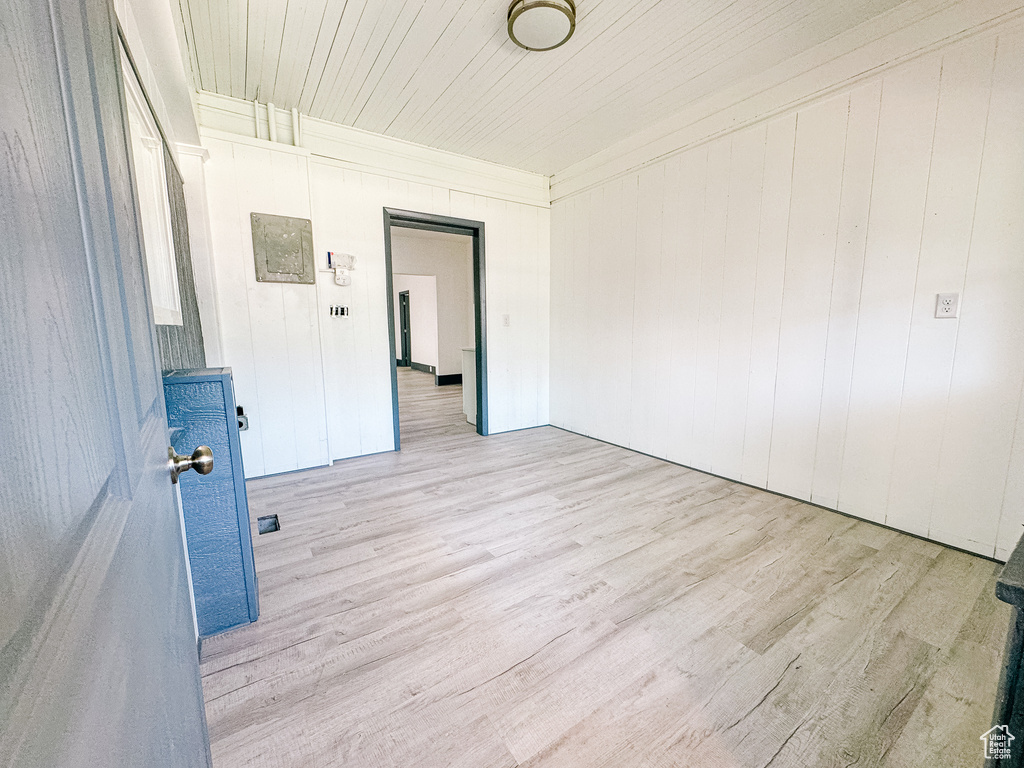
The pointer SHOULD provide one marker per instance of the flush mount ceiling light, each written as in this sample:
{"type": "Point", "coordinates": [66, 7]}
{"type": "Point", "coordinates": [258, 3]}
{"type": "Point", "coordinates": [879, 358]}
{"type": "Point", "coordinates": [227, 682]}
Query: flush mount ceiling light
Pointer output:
{"type": "Point", "coordinates": [540, 25]}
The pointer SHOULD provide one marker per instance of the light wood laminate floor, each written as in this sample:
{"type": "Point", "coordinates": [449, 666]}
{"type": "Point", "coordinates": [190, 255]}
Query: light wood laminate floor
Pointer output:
{"type": "Point", "coordinates": [542, 599]}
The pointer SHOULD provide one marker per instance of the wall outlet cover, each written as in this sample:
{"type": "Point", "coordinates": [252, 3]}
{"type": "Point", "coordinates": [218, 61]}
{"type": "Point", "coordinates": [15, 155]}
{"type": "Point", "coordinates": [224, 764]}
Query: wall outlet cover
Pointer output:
{"type": "Point", "coordinates": [947, 305]}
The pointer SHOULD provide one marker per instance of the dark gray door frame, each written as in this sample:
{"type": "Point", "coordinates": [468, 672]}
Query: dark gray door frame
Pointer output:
{"type": "Point", "coordinates": [395, 217]}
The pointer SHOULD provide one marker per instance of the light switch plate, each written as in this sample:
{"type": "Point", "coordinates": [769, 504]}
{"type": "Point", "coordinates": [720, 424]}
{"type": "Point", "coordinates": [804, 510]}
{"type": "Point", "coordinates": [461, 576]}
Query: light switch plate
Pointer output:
{"type": "Point", "coordinates": [947, 305]}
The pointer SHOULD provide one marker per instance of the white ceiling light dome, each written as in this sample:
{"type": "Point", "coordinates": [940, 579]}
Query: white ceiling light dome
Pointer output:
{"type": "Point", "coordinates": [540, 25]}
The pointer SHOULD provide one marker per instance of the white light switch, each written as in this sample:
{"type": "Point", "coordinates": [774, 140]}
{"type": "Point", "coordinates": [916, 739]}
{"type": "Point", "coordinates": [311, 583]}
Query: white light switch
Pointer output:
{"type": "Point", "coordinates": [947, 304]}
{"type": "Point", "coordinates": [506, 320]}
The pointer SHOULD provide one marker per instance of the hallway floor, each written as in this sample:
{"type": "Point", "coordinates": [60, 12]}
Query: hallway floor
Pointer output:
{"type": "Point", "coordinates": [538, 598]}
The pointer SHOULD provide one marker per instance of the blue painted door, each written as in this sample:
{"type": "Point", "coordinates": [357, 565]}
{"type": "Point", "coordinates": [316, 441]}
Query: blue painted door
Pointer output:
{"type": "Point", "coordinates": [98, 663]}
{"type": "Point", "coordinates": [201, 408]}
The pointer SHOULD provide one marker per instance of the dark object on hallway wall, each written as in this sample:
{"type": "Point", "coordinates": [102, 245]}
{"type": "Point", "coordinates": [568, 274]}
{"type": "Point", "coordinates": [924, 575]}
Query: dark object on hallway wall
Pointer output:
{"type": "Point", "coordinates": [181, 346]}
{"type": "Point", "coordinates": [282, 247]}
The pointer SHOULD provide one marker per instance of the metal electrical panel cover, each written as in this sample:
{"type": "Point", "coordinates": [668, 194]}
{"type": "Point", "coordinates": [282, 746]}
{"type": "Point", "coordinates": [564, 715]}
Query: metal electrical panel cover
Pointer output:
{"type": "Point", "coordinates": [282, 247]}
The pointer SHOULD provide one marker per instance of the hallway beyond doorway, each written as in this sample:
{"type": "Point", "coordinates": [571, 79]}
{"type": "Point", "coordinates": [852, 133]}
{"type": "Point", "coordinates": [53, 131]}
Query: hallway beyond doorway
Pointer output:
{"type": "Point", "coordinates": [428, 413]}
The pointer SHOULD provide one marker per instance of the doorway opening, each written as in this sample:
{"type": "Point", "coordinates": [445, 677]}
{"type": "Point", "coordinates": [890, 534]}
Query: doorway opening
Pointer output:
{"type": "Point", "coordinates": [455, 359]}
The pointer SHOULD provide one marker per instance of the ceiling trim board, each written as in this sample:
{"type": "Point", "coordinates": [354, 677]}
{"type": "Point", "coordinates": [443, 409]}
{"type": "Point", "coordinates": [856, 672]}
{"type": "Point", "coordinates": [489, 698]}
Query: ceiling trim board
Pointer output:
{"type": "Point", "coordinates": [231, 119]}
{"type": "Point", "coordinates": [493, 192]}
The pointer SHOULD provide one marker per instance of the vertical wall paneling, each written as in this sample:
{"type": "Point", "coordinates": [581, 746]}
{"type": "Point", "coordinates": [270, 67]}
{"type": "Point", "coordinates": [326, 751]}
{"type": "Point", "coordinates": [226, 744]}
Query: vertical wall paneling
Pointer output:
{"type": "Point", "coordinates": [509, 283]}
{"type": "Point", "coordinates": [582, 302]}
{"type": "Point", "coordinates": [773, 232]}
{"type": "Point", "coordinates": [684, 245]}
{"type": "Point", "coordinates": [810, 263]}
{"type": "Point", "coordinates": [542, 339]}
{"type": "Point", "coordinates": [989, 362]}
{"type": "Point", "coordinates": [646, 397]}
{"type": "Point", "coordinates": [789, 284]}
{"type": "Point", "coordinates": [502, 237]}
{"type": "Point", "coordinates": [906, 125]}
{"type": "Point", "coordinates": [620, 261]}
{"type": "Point", "coordinates": [712, 275]}
{"type": "Point", "coordinates": [844, 303]}
{"type": "Point", "coordinates": [228, 245]}
{"type": "Point", "coordinates": [740, 278]}
{"type": "Point", "coordinates": [529, 348]}
{"type": "Point", "coordinates": [344, 398]}
{"type": "Point", "coordinates": [596, 351]}
{"type": "Point", "coordinates": [269, 329]}
{"type": "Point", "coordinates": [577, 286]}
{"type": "Point", "coordinates": [665, 299]}
{"type": "Point", "coordinates": [365, 225]}
{"type": "Point", "coordinates": [284, 317]}
{"type": "Point", "coordinates": [562, 243]}
{"type": "Point", "coordinates": [945, 242]}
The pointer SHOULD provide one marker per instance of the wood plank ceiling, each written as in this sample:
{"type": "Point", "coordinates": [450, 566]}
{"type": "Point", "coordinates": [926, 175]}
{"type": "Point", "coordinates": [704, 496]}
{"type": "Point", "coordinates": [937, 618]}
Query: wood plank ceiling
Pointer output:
{"type": "Point", "coordinates": [443, 73]}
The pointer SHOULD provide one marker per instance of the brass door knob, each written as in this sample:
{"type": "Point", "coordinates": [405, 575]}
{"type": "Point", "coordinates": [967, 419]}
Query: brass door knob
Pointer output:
{"type": "Point", "coordinates": [201, 461]}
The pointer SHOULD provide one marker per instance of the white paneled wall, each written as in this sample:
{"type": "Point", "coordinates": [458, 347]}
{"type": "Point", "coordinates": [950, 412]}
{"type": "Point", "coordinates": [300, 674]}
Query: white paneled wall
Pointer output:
{"type": "Point", "coordinates": [269, 331]}
{"type": "Point", "coordinates": [318, 388]}
{"type": "Point", "coordinates": [761, 306]}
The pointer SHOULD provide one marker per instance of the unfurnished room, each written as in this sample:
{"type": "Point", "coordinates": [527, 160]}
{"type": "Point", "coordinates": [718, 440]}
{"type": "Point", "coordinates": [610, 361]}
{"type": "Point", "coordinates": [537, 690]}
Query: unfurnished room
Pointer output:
{"type": "Point", "coordinates": [512, 384]}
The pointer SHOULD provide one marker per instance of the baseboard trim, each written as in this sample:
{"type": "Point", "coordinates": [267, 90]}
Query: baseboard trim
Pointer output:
{"type": "Point", "coordinates": [422, 367]}
{"type": "Point", "coordinates": [442, 380]}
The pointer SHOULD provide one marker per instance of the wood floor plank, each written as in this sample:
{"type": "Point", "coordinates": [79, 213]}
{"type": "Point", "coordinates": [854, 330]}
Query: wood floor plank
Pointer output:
{"type": "Point", "coordinates": [542, 599]}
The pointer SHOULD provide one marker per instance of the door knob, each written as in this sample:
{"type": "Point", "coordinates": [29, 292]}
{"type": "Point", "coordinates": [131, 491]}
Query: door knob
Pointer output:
{"type": "Point", "coordinates": [201, 461]}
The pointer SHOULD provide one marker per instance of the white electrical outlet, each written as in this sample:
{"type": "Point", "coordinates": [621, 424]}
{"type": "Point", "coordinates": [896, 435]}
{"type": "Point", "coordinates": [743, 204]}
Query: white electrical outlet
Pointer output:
{"type": "Point", "coordinates": [947, 304]}
{"type": "Point", "coordinates": [506, 320]}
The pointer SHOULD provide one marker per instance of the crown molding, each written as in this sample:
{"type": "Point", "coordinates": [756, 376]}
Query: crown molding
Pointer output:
{"type": "Point", "coordinates": [224, 117]}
